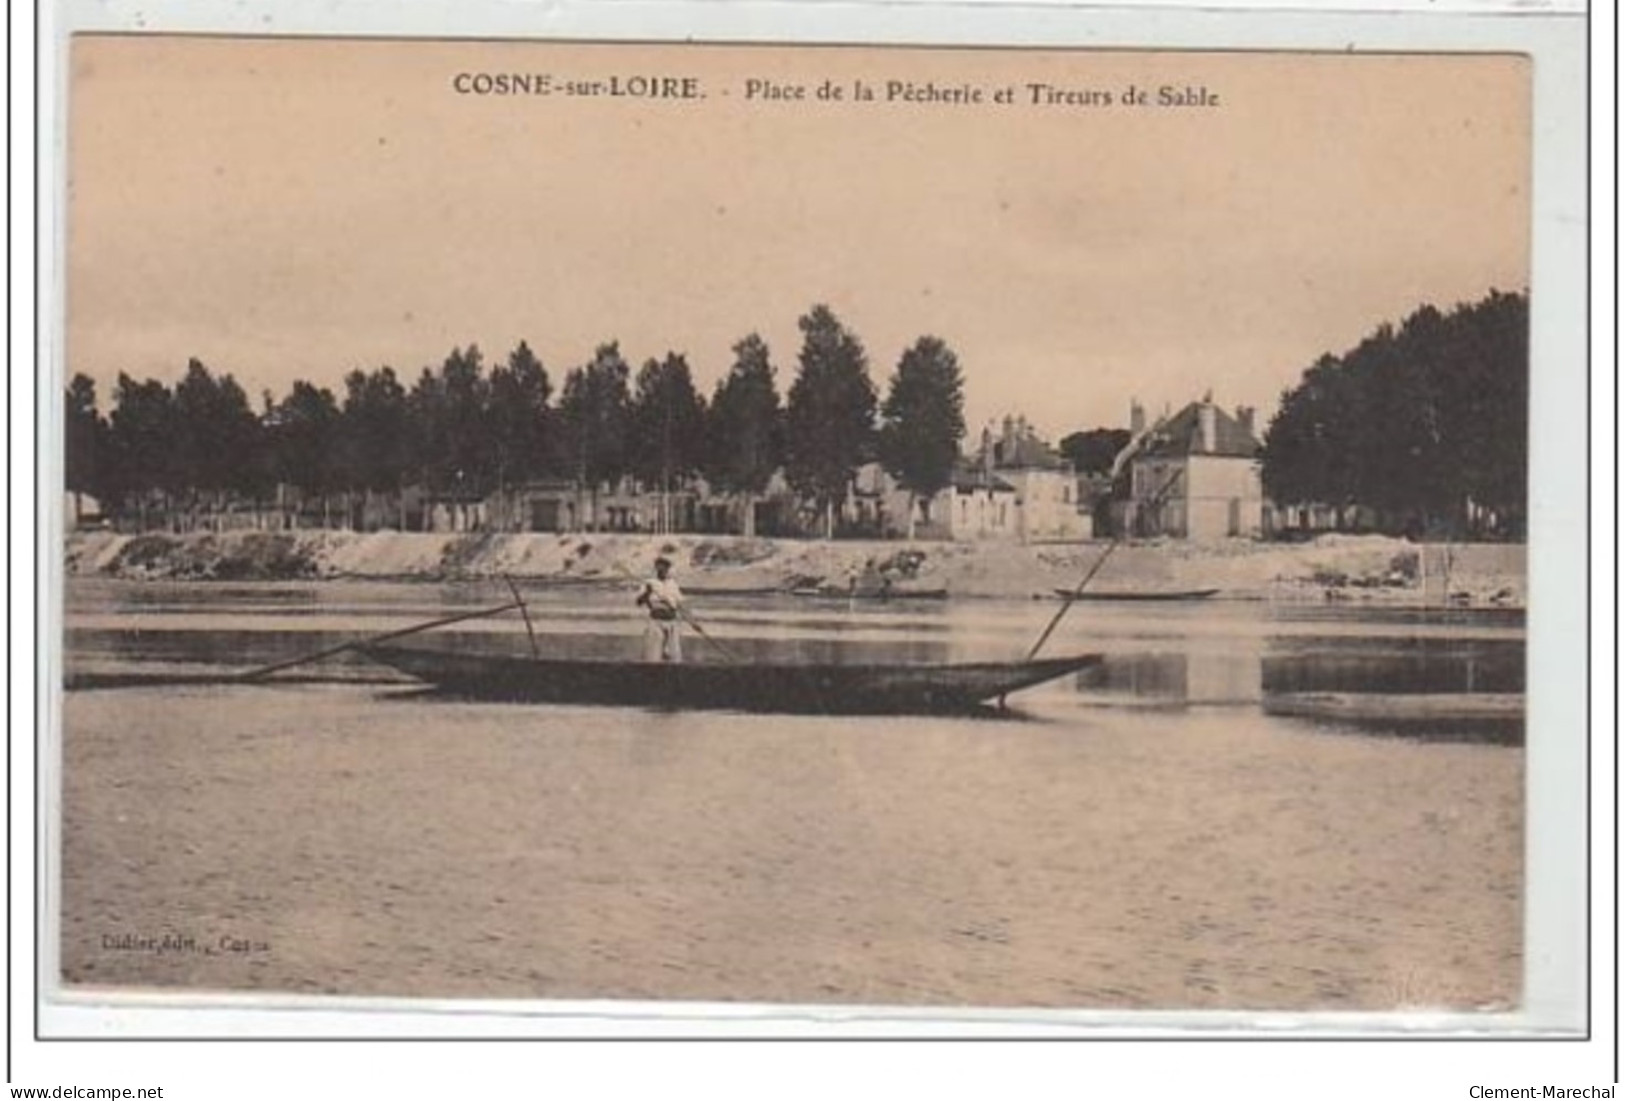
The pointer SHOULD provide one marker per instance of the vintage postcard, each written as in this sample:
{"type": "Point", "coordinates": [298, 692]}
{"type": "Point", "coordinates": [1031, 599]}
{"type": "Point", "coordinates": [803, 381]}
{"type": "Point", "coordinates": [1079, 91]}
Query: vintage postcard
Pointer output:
{"type": "Point", "coordinates": [913, 528]}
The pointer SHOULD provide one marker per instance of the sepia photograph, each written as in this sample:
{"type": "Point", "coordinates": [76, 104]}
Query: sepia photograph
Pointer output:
{"type": "Point", "coordinates": [901, 527]}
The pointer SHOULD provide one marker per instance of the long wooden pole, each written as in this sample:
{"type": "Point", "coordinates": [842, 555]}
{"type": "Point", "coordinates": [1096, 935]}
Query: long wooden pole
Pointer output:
{"type": "Point", "coordinates": [1072, 597]}
{"type": "Point", "coordinates": [535, 651]}
{"type": "Point", "coordinates": [267, 670]}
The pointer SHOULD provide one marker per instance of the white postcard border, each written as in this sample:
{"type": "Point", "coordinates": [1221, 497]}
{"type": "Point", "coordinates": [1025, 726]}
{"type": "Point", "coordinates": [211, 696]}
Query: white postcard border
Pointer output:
{"type": "Point", "coordinates": [1556, 874]}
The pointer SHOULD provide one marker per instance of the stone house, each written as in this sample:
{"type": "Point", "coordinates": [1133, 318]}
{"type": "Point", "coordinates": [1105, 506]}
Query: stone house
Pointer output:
{"type": "Point", "coordinates": [1193, 474]}
{"type": "Point", "coordinates": [1048, 508]}
{"type": "Point", "coordinates": [1015, 487]}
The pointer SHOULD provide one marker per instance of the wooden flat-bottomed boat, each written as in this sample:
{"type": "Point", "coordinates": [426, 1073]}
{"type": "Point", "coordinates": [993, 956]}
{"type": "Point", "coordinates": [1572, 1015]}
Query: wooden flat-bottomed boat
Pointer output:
{"type": "Point", "coordinates": [1496, 716]}
{"type": "Point", "coordinates": [1415, 707]}
{"type": "Point", "coordinates": [881, 595]}
{"type": "Point", "coordinates": [1138, 594]}
{"type": "Point", "coordinates": [711, 685]}
{"type": "Point", "coordinates": [723, 590]}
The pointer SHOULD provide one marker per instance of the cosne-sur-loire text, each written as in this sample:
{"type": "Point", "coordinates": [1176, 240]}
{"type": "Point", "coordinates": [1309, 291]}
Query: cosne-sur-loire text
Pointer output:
{"type": "Point", "coordinates": [632, 86]}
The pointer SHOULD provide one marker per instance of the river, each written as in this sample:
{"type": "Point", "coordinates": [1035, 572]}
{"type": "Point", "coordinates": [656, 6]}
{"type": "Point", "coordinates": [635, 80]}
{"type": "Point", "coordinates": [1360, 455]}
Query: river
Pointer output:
{"type": "Point", "coordinates": [1152, 834]}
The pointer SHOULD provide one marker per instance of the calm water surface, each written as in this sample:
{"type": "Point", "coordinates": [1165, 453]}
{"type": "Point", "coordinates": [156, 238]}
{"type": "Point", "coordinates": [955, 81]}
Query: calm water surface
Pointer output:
{"type": "Point", "coordinates": [1147, 836]}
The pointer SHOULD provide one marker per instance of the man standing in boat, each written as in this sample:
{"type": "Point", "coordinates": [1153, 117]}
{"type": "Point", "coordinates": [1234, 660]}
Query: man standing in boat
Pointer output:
{"type": "Point", "coordinates": [663, 640]}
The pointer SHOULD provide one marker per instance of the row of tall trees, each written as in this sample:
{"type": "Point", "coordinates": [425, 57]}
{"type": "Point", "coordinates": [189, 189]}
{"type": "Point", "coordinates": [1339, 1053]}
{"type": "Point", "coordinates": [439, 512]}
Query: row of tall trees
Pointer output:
{"type": "Point", "coordinates": [468, 431]}
{"type": "Point", "coordinates": [1426, 424]}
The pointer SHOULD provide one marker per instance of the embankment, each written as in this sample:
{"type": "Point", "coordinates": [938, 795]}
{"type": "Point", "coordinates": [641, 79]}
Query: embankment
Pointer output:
{"type": "Point", "coordinates": [1366, 568]}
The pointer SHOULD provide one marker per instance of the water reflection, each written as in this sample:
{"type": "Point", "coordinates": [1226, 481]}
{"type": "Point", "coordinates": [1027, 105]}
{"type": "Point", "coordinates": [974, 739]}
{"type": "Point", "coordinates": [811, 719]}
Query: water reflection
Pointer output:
{"type": "Point", "coordinates": [1244, 675]}
{"type": "Point", "coordinates": [1176, 677]}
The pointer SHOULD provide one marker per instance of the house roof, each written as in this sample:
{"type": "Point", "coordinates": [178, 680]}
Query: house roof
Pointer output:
{"type": "Point", "coordinates": [1025, 452]}
{"type": "Point", "coordinates": [1181, 434]}
{"type": "Point", "coordinates": [971, 476]}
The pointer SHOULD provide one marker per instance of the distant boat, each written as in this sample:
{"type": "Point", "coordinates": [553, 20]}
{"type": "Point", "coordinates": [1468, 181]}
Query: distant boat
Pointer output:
{"type": "Point", "coordinates": [1136, 594]}
{"type": "Point", "coordinates": [567, 580]}
{"type": "Point", "coordinates": [723, 590]}
{"type": "Point", "coordinates": [807, 689]}
{"type": "Point", "coordinates": [883, 595]}
{"type": "Point", "coordinates": [1497, 715]}
{"type": "Point", "coordinates": [1428, 707]}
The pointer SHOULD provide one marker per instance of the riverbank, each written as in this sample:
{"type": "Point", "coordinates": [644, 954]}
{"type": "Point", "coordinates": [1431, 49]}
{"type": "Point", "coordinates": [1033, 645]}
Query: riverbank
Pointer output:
{"type": "Point", "coordinates": [1333, 567]}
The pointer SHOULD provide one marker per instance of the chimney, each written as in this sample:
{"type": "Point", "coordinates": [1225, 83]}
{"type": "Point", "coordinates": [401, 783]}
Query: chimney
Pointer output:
{"type": "Point", "coordinates": [1136, 418]}
{"type": "Point", "coordinates": [987, 449]}
{"type": "Point", "coordinates": [1208, 416]}
{"type": "Point", "coordinates": [1244, 414]}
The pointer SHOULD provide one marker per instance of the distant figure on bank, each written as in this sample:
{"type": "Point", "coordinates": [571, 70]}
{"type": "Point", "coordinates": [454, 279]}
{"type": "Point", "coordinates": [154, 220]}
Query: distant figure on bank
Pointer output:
{"type": "Point", "coordinates": [872, 582]}
{"type": "Point", "coordinates": [663, 640]}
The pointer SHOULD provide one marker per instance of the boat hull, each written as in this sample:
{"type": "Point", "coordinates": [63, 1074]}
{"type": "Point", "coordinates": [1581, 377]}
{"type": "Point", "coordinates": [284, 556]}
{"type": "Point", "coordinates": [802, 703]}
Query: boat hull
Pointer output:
{"type": "Point", "coordinates": [877, 595]}
{"type": "Point", "coordinates": [1147, 594]}
{"type": "Point", "coordinates": [809, 689]}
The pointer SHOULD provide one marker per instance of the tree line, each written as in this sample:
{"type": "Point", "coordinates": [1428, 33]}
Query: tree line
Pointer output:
{"type": "Point", "coordinates": [170, 456]}
{"type": "Point", "coordinates": [1424, 427]}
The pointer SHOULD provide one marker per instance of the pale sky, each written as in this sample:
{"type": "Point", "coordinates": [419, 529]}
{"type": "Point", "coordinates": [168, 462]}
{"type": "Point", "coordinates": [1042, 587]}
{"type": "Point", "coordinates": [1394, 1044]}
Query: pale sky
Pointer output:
{"type": "Point", "coordinates": [287, 209]}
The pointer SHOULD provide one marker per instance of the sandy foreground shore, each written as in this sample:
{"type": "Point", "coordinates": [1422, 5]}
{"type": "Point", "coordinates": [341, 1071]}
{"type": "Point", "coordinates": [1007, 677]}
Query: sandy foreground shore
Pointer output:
{"type": "Point", "coordinates": [342, 840]}
{"type": "Point", "coordinates": [1365, 568]}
